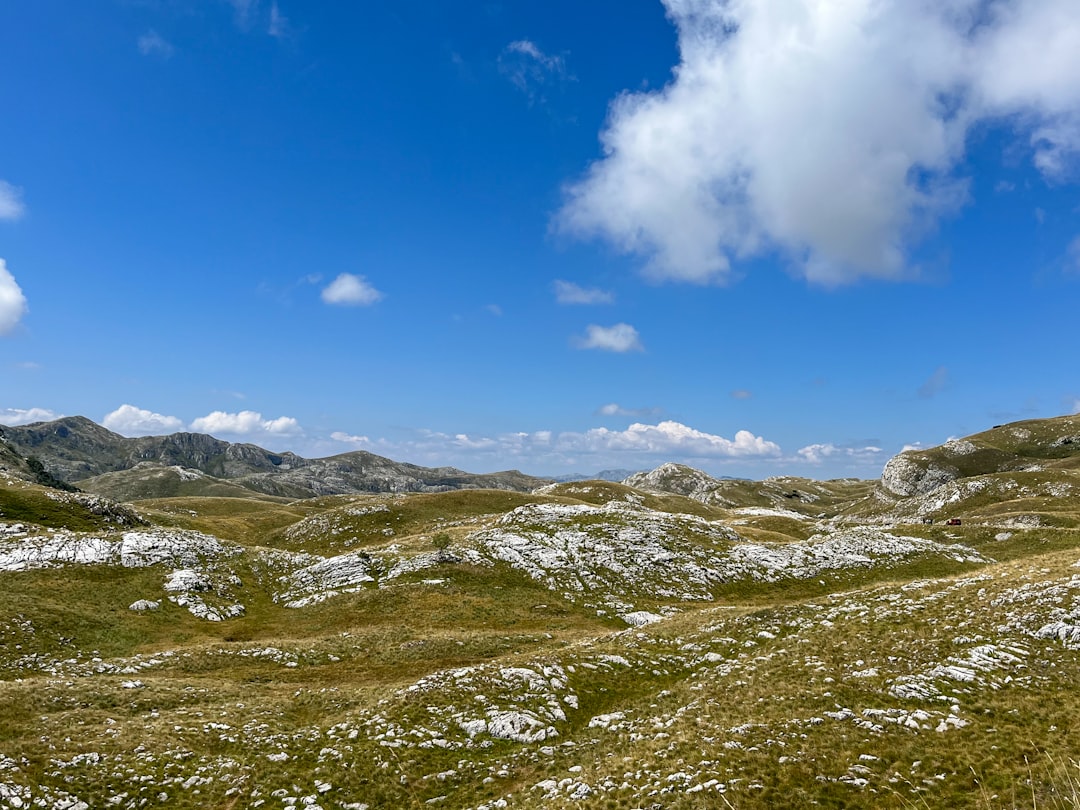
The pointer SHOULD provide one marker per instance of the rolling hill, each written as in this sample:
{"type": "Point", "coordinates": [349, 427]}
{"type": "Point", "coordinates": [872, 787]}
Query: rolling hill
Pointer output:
{"type": "Point", "coordinates": [673, 641]}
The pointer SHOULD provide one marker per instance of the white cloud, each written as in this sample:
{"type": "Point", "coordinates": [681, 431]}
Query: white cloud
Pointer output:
{"type": "Point", "coordinates": [818, 453]}
{"type": "Point", "coordinates": [350, 290]}
{"type": "Point", "coordinates": [833, 133]}
{"type": "Point", "coordinates": [12, 301]}
{"type": "Point", "coordinates": [26, 416]}
{"type": "Point", "coordinates": [246, 423]}
{"type": "Point", "coordinates": [621, 337]}
{"type": "Point", "coordinates": [494, 309]}
{"type": "Point", "coordinates": [567, 292]}
{"type": "Point", "coordinates": [530, 69]}
{"type": "Point", "coordinates": [346, 438]}
{"type": "Point", "coordinates": [741, 393]}
{"type": "Point", "coordinates": [11, 204]}
{"type": "Point", "coordinates": [614, 409]}
{"type": "Point", "coordinates": [127, 420]}
{"type": "Point", "coordinates": [671, 438]}
{"type": "Point", "coordinates": [153, 44]}
{"type": "Point", "coordinates": [934, 384]}
{"type": "Point", "coordinates": [664, 441]}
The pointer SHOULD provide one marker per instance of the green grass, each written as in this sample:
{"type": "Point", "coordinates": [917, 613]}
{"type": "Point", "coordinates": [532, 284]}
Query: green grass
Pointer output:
{"type": "Point", "coordinates": [347, 523]}
{"type": "Point", "coordinates": [251, 521]}
{"type": "Point", "coordinates": [28, 503]}
{"type": "Point", "coordinates": [759, 666]}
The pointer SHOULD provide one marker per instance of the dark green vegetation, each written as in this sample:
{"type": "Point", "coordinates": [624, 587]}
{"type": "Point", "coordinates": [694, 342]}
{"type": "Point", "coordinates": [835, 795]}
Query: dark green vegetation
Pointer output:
{"type": "Point", "coordinates": [423, 660]}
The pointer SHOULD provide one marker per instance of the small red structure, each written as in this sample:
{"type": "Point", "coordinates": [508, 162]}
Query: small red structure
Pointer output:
{"type": "Point", "coordinates": [952, 522]}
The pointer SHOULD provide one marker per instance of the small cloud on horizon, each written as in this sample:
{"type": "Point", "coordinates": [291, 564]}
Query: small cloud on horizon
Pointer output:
{"type": "Point", "coordinates": [128, 420]}
{"type": "Point", "coordinates": [25, 416]}
{"type": "Point", "coordinates": [346, 438]}
{"type": "Point", "coordinates": [655, 442]}
{"type": "Point", "coordinates": [246, 423]}
{"type": "Point", "coordinates": [350, 290]}
{"type": "Point", "coordinates": [620, 338]}
{"type": "Point", "coordinates": [818, 453]}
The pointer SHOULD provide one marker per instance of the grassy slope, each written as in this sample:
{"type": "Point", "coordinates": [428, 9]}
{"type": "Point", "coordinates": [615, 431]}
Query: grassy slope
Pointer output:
{"type": "Point", "coordinates": [1048, 443]}
{"type": "Point", "coordinates": [745, 719]}
{"type": "Point", "coordinates": [23, 502]}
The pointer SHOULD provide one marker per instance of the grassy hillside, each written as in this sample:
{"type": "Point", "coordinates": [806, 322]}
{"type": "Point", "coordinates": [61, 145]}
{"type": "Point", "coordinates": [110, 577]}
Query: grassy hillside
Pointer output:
{"type": "Point", "coordinates": [732, 644]}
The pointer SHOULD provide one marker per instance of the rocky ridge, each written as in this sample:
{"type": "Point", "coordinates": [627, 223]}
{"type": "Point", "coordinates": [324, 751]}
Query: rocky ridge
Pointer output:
{"type": "Point", "coordinates": [78, 451]}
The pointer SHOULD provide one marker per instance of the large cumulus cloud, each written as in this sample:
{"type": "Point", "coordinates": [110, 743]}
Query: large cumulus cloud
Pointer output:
{"type": "Point", "coordinates": [829, 131]}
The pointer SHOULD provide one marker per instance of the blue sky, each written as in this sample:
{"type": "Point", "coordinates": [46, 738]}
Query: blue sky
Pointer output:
{"type": "Point", "coordinates": [759, 239]}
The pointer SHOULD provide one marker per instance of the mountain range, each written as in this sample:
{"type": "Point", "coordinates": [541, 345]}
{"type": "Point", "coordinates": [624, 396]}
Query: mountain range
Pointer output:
{"type": "Point", "coordinates": [81, 453]}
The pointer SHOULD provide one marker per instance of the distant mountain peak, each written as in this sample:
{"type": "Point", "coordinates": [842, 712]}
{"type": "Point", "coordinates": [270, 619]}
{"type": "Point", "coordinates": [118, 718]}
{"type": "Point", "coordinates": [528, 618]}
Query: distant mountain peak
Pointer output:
{"type": "Point", "coordinates": [76, 449]}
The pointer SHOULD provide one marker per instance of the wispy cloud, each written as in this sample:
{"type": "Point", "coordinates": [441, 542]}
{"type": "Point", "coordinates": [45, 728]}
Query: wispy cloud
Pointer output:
{"type": "Point", "coordinates": [12, 301]}
{"type": "Point", "coordinates": [775, 107]}
{"type": "Point", "coordinates": [349, 438]}
{"type": "Point", "coordinates": [11, 203]}
{"type": "Point", "coordinates": [278, 25]}
{"type": "Point", "coordinates": [244, 12]}
{"type": "Point", "coordinates": [569, 293]}
{"type": "Point", "coordinates": [662, 441]}
{"type": "Point", "coordinates": [350, 290]}
{"type": "Point", "coordinates": [741, 393]}
{"type": "Point", "coordinates": [1072, 257]}
{"type": "Point", "coordinates": [26, 416]}
{"type": "Point", "coordinates": [614, 409]}
{"type": "Point", "coordinates": [153, 44]}
{"type": "Point", "coordinates": [621, 337]}
{"type": "Point", "coordinates": [128, 420]}
{"type": "Point", "coordinates": [934, 384]}
{"type": "Point", "coordinates": [531, 70]}
{"type": "Point", "coordinates": [257, 16]}
{"type": "Point", "coordinates": [819, 453]}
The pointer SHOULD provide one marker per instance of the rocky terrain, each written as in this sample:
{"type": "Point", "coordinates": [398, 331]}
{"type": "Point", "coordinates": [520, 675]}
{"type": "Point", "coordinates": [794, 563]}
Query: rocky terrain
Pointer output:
{"type": "Point", "coordinates": [671, 641]}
